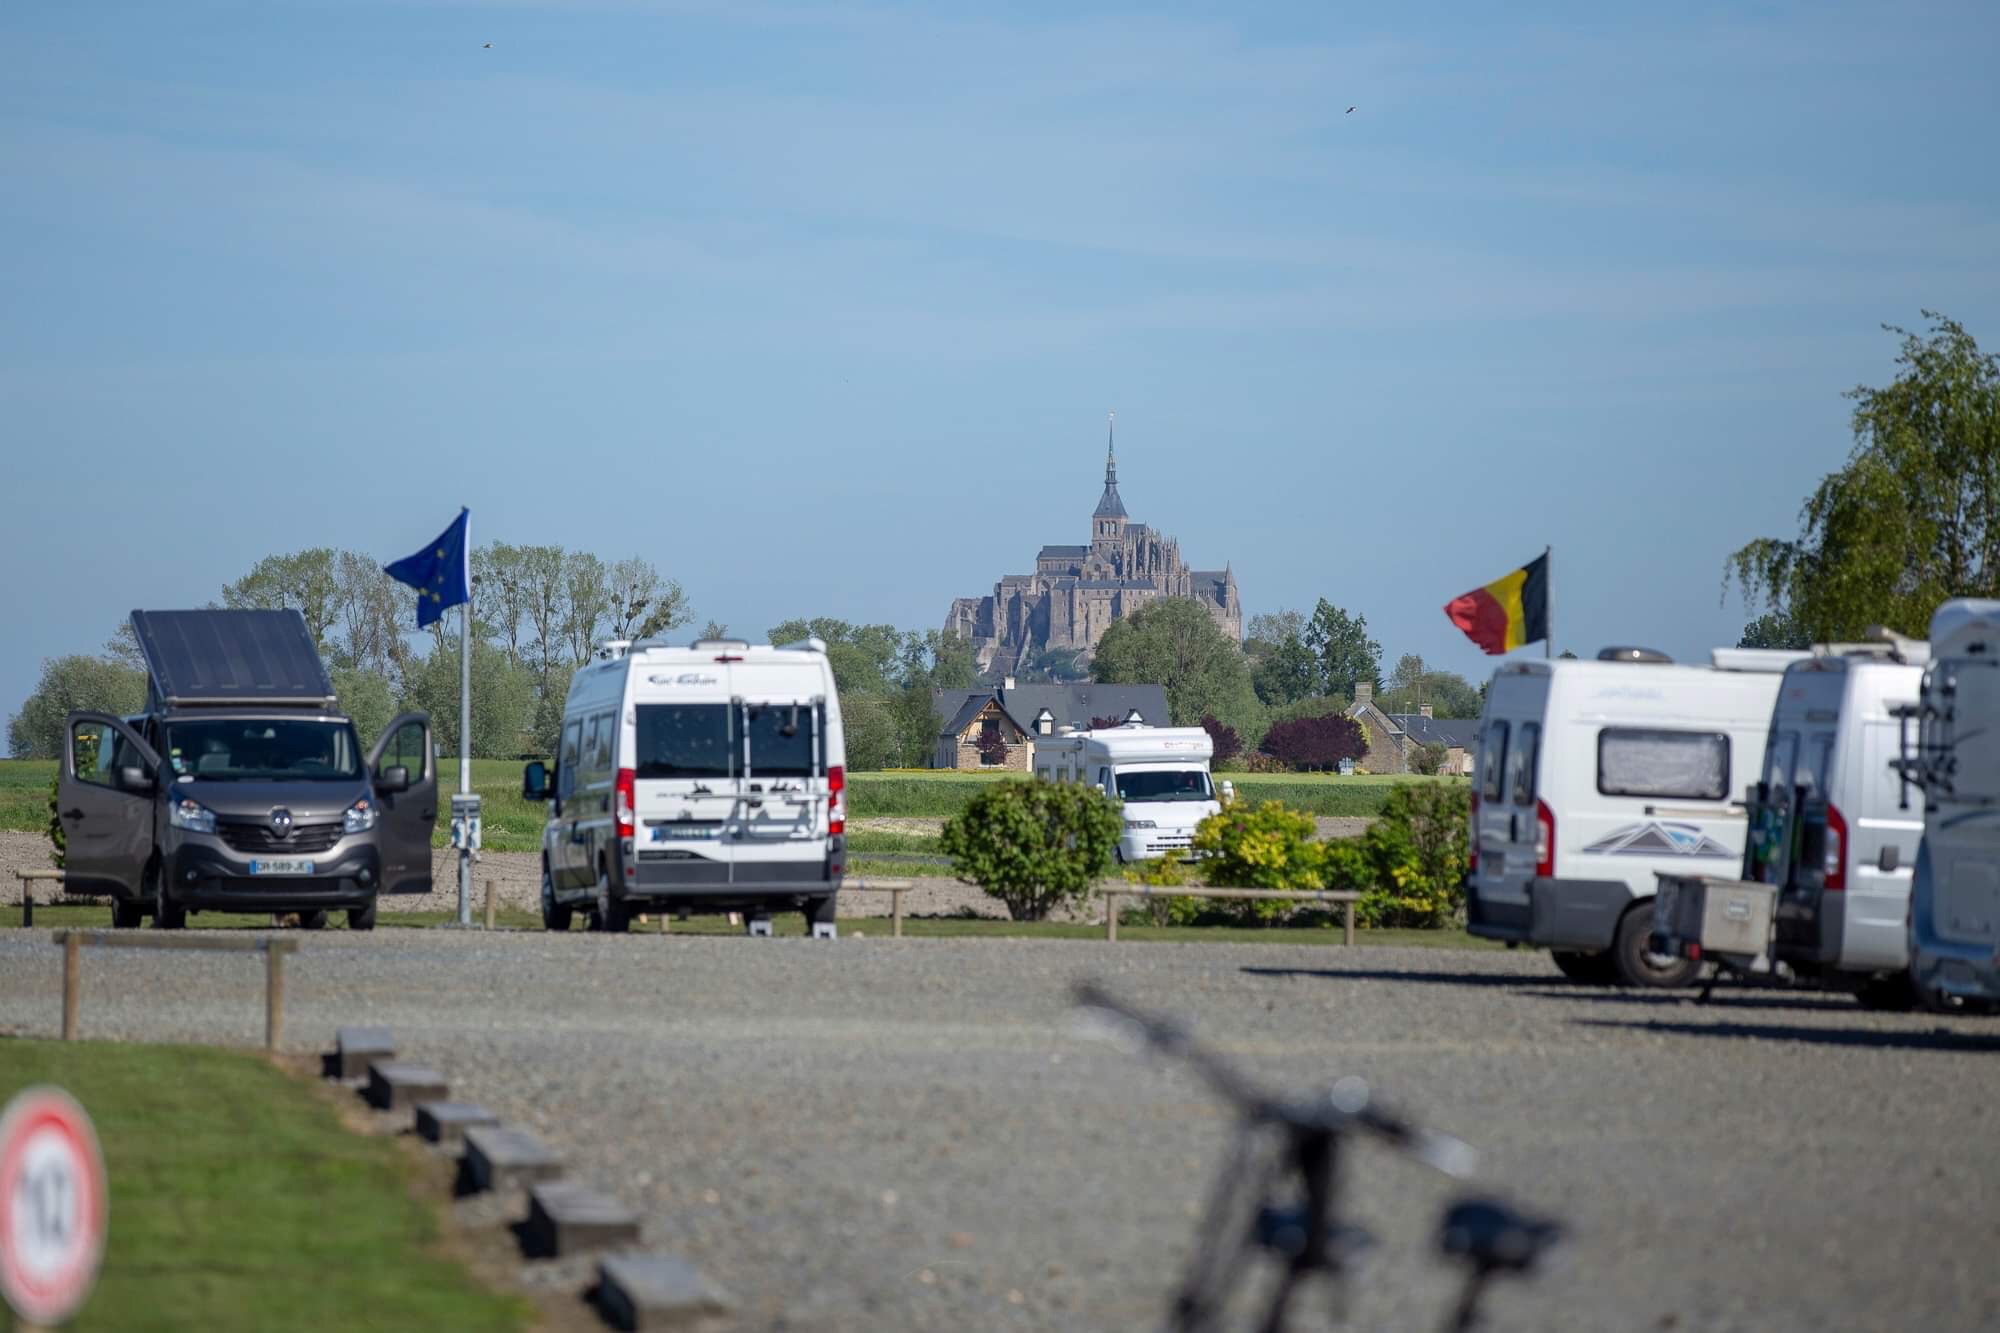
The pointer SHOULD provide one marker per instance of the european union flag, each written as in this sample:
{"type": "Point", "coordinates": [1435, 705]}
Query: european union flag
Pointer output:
{"type": "Point", "coordinates": [441, 572]}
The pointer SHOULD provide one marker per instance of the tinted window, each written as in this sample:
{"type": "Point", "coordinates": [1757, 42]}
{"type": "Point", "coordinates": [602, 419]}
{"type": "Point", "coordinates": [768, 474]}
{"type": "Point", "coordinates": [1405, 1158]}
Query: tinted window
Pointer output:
{"type": "Point", "coordinates": [406, 749]}
{"type": "Point", "coordinates": [261, 750]}
{"type": "Point", "coordinates": [1493, 761]}
{"type": "Point", "coordinates": [1188, 784]}
{"type": "Point", "coordinates": [1526, 752]}
{"type": "Point", "coordinates": [572, 750]}
{"type": "Point", "coordinates": [1689, 765]}
{"type": "Point", "coordinates": [683, 741]}
{"type": "Point", "coordinates": [781, 739]}
{"type": "Point", "coordinates": [94, 753]}
{"type": "Point", "coordinates": [600, 757]}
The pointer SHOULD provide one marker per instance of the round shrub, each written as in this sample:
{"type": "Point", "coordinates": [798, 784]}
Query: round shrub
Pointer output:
{"type": "Point", "coordinates": [1034, 845]}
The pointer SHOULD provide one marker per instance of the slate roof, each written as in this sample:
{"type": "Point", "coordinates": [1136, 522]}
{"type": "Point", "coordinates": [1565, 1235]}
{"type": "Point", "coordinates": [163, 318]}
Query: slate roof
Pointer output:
{"type": "Point", "coordinates": [1070, 705]}
{"type": "Point", "coordinates": [1458, 732]}
{"type": "Point", "coordinates": [1063, 552]}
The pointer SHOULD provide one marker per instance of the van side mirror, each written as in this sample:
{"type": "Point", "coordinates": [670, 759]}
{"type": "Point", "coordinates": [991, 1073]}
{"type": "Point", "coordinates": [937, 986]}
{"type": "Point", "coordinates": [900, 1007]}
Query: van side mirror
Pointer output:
{"type": "Point", "coordinates": [1890, 857]}
{"type": "Point", "coordinates": [535, 782]}
{"type": "Point", "coordinates": [133, 778]}
{"type": "Point", "coordinates": [389, 781]}
{"type": "Point", "coordinates": [1228, 792]}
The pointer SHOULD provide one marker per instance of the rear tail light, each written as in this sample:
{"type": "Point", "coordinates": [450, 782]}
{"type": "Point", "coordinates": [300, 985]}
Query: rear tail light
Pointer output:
{"type": "Point", "coordinates": [1545, 840]}
{"type": "Point", "coordinates": [1472, 845]}
{"type": "Point", "coordinates": [1836, 847]}
{"type": "Point", "coordinates": [836, 801]}
{"type": "Point", "coordinates": [622, 810]}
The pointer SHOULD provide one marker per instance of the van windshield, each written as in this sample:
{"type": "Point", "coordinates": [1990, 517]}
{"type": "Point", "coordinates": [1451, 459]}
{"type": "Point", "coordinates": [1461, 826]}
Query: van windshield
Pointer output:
{"type": "Point", "coordinates": [781, 739]}
{"type": "Point", "coordinates": [1184, 784]}
{"type": "Point", "coordinates": [682, 741]}
{"type": "Point", "coordinates": [263, 750]}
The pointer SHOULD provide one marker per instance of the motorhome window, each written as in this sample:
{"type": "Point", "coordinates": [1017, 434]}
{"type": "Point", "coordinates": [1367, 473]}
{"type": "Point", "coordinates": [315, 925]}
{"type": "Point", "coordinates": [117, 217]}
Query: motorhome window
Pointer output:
{"type": "Point", "coordinates": [683, 741]}
{"type": "Point", "coordinates": [1181, 784]}
{"type": "Point", "coordinates": [781, 739]}
{"type": "Point", "coordinates": [586, 764]}
{"type": "Point", "coordinates": [1493, 761]}
{"type": "Point", "coordinates": [1814, 765]}
{"type": "Point", "coordinates": [263, 750]}
{"type": "Point", "coordinates": [1688, 765]}
{"type": "Point", "coordinates": [572, 750]}
{"type": "Point", "coordinates": [600, 758]}
{"type": "Point", "coordinates": [1525, 756]}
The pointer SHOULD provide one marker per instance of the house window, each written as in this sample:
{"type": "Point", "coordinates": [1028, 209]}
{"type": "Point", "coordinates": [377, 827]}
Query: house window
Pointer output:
{"type": "Point", "coordinates": [992, 747]}
{"type": "Point", "coordinates": [1045, 722]}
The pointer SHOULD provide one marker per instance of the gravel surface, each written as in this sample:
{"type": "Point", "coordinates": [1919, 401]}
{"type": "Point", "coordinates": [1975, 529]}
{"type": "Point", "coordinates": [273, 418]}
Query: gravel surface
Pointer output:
{"type": "Point", "coordinates": [911, 1134]}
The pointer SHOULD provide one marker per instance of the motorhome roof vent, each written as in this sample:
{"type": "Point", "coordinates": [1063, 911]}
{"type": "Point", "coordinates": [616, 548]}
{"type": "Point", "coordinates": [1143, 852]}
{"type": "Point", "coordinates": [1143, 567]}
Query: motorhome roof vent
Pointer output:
{"type": "Point", "coordinates": [1624, 653]}
{"type": "Point", "coordinates": [720, 643]}
{"type": "Point", "coordinates": [612, 649]}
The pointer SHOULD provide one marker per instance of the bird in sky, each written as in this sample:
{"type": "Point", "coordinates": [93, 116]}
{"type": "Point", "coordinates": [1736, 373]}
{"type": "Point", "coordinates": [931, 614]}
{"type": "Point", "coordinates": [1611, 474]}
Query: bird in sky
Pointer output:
{"type": "Point", "coordinates": [1349, 111]}
{"type": "Point", "coordinates": [489, 47]}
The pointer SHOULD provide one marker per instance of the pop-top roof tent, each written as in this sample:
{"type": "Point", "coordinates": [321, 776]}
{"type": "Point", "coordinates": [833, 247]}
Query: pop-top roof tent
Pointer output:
{"type": "Point", "coordinates": [222, 657]}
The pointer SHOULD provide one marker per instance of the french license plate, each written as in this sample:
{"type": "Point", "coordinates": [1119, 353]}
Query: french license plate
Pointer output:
{"type": "Point", "coordinates": [281, 866]}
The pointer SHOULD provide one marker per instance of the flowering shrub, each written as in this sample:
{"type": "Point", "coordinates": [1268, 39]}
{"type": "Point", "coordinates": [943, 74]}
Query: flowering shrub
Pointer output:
{"type": "Point", "coordinates": [1268, 847]}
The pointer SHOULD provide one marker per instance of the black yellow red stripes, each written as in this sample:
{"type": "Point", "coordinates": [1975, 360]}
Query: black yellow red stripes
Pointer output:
{"type": "Point", "coordinates": [1508, 612]}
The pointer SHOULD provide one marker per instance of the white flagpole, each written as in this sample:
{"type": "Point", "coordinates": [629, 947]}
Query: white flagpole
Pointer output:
{"type": "Point", "coordinates": [465, 723]}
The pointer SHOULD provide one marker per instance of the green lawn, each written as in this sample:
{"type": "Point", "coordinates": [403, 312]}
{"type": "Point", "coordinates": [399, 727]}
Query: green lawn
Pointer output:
{"type": "Point", "coordinates": [239, 1202]}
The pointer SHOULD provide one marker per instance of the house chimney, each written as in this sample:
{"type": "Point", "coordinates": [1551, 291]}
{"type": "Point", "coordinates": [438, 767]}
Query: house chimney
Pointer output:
{"type": "Point", "coordinates": [1006, 683]}
{"type": "Point", "coordinates": [1364, 691]}
{"type": "Point", "coordinates": [1425, 709]}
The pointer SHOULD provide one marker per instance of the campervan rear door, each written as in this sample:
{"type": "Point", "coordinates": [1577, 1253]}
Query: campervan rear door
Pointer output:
{"type": "Point", "coordinates": [1880, 826]}
{"type": "Point", "coordinates": [1507, 780]}
{"type": "Point", "coordinates": [684, 757]}
{"type": "Point", "coordinates": [783, 701]}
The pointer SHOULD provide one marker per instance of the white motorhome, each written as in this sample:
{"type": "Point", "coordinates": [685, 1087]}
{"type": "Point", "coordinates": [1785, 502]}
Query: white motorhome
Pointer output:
{"type": "Point", "coordinates": [709, 779]}
{"type": "Point", "coordinates": [1954, 920]}
{"type": "Point", "coordinates": [1832, 827]}
{"type": "Point", "coordinates": [1594, 775]}
{"type": "Point", "coordinates": [1160, 773]}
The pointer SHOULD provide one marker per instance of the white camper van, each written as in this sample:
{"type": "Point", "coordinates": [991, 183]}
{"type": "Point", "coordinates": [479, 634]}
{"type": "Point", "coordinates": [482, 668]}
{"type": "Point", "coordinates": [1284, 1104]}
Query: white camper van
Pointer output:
{"type": "Point", "coordinates": [1830, 823]}
{"type": "Point", "coordinates": [1954, 920]}
{"type": "Point", "coordinates": [709, 778]}
{"type": "Point", "coordinates": [1160, 773]}
{"type": "Point", "coordinates": [1594, 775]}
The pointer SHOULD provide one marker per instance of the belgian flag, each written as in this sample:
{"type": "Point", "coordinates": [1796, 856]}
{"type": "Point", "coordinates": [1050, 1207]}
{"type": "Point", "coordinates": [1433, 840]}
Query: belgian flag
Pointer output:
{"type": "Point", "coordinates": [1507, 612]}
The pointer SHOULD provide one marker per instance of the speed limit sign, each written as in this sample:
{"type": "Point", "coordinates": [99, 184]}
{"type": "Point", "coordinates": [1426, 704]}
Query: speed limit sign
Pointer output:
{"type": "Point", "coordinates": [53, 1208]}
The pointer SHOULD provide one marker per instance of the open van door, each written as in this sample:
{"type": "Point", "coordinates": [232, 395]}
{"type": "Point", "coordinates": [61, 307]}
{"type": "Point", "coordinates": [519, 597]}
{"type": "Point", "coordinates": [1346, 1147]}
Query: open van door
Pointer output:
{"type": "Point", "coordinates": [403, 767]}
{"type": "Point", "coordinates": [104, 798]}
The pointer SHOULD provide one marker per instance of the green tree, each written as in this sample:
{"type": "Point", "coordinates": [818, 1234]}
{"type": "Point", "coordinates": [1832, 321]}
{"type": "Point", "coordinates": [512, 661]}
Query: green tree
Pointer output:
{"type": "Point", "coordinates": [503, 699]}
{"type": "Point", "coordinates": [67, 685]}
{"type": "Point", "coordinates": [1283, 669]}
{"type": "Point", "coordinates": [1345, 653]}
{"type": "Point", "coordinates": [1034, 845]}
{"type": "Point", "coordinates": [1176, 644]}
{"type": "Point", "coordinates": [1409, 864]}
{"type": "Point", "coordinates": [1413, 684]}
{"type": "Point", "coordinates": [306, 580]}
{"type": "Point", "coordinates": [1912, 519]}
{"type": "Point", "coordinates": [365, 697]}
{"type": "Point", "coordinates": [870, 725]}
{"type": "Point", "coordinates": [1774, 629]}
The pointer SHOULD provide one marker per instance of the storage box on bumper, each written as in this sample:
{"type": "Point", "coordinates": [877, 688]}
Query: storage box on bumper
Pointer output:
{"type": "Point", "coordinates": [223, 870]}
{"type": "Point", "coordinates": [1580, 914]}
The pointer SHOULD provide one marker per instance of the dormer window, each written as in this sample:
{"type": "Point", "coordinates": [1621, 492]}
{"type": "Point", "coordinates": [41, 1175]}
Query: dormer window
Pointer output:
{"type": "Point", "coordinates": [1045, 722]}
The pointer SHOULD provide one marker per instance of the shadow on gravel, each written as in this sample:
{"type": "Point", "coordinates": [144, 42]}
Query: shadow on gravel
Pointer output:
{"type": "Point", "coordinates": [1937, 1039]}
{"type": "Point", "coordinates": [1391, 974]}
{"type": "Point", "coordinates": [1719, 1002]}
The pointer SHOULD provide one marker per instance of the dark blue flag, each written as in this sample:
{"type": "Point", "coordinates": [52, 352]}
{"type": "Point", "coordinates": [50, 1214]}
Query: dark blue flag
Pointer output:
{"type": "Point", "coordinates": [441, 572]}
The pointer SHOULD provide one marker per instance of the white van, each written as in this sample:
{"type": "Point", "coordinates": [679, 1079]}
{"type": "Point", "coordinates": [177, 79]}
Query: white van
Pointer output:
{"type": "Point", "coordinates": [1160, 773]}
{"type": "Point", "coordinates": [1954, 921]}
{"type": "Point", "coordinates": [1832, 827]}
{"type": "Point", "coordinates": [709, 778]}
{"type": "Point", "coordinates": [1591, 777]}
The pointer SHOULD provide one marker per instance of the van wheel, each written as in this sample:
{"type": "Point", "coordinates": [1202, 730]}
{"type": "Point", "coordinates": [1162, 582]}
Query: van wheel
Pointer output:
{"type": "Point", "coordinates": [1633, 957]}
{"type": "Point", "coordinates": [361, 918]}
{"type": "Point", "coordinates": [1893, 992]}
{"type": "Point", "coordinates": [127, 916]}
{"type": "Point", "coordinates": [613, 918]}
{"type": "Point", "coordinates": [312, 920]}
{"type": "Point", "coordinates": [167, 914]}
{"type": "Point", "coordinates": [555, 915]}
{"type": "Point", "coordinates": [1588, 969]}
{"type": "Point", "coordinates": [819, 911]}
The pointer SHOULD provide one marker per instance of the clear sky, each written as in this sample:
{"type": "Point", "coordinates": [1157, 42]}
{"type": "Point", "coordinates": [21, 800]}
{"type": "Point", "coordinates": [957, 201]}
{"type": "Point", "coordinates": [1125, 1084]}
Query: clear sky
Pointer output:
{"type": "Point", "coordinates": [821, 308]}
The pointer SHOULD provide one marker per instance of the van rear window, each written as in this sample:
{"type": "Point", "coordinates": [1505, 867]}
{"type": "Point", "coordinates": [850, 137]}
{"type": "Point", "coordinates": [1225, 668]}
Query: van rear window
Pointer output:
{"type": "Point", "coordinates": [1493, 761]}
{"type": "Point", "coordinates": [682, 741]}
{"type": "Point", "coordinates": [1690, 765]}
{"type": "Point", "coordinates": [781, 739]}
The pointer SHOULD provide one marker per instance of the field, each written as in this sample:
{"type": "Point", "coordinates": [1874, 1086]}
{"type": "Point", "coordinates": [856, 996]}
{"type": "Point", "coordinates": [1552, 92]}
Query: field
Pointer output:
{"type": "Point", "coordinates": [515, 825]}
{"type": "Point", "coordinates": [239, 1202]}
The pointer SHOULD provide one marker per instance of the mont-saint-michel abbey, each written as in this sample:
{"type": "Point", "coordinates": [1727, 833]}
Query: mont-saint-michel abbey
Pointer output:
{"type": "Point", "coordinates": [1076, 592]}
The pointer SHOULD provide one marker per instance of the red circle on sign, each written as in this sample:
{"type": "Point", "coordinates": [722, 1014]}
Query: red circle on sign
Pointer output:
{"type": "Point", "coordinates": [53, 1211]}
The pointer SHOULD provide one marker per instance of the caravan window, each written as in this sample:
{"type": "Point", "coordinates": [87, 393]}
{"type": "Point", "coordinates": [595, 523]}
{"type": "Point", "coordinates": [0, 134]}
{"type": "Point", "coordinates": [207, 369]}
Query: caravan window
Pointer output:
{"type": "Point", "coordinates": [1526, 755]}
{"type": "Point", "coordinates": [1493, 762]}
{"type": "Point", "coordinates": [683, 741]}
{"type": "Point", "coordinates": [1689, 765]}
{"type": "Point", "coordinates": [781, 739]}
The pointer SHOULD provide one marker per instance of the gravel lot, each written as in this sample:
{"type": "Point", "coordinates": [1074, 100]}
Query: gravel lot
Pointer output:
{"type": "Point", "coordinates": [909, 1134]}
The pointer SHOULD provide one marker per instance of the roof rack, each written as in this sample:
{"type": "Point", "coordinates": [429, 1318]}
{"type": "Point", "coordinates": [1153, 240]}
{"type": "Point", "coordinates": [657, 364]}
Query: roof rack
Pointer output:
{"type": "Point", "coordinates": [226, 657]}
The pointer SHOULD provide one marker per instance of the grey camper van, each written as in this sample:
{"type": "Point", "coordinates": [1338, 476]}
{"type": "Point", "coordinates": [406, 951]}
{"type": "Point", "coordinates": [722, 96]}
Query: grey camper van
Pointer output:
{"type": "Point", "coordinates": [242, 787]}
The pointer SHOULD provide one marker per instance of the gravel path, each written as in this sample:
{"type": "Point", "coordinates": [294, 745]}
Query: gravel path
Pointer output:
{"type": "Point", "coordinates": [909, 1134]}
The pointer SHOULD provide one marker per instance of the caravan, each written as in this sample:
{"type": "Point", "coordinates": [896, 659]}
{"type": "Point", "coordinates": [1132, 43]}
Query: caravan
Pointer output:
{"type": "Point", "coordinates": [1591, 777]}
{"type": "Point", "coordinates": [1159, 773]}
{"type": "Point", "coordinates": [1954, 917]}
{"type": "Point", "coordinates": [710, 778]}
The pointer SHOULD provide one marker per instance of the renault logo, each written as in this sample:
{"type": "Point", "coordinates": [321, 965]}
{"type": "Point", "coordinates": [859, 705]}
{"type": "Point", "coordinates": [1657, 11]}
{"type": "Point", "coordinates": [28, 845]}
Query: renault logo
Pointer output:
{"type": "Point", "coordinates": [281, 822]}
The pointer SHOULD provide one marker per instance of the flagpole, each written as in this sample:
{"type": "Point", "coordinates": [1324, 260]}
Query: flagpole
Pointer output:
{"type": "Point", "coordinates": [465, 729]}
{"type": "Point", "coordinates": [1548, 604]}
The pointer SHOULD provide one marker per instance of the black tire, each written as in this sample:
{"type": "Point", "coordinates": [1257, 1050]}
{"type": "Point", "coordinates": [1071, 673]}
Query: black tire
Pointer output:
{"type": "Point", "coordinates": [609, 916]}
{"type": "Point", "coordinates": [313, 920]}
{"type": "Point", "coordinates": [820, 911]}
{"type": "Point", "coordinates": [127, 916]}
{"type": "Point", "coordinates": [555, 915]}
{"type": "Point", "coordinates": [1634, 961]}
{"type": "Point", "coordinates": [361, 918]}
{"type": "Point", "coordinates": [1893, 992]}
{"type": "Point", "coordinates": [167, 914]}
{"type": "Point", "coordinates": [1586, 969]}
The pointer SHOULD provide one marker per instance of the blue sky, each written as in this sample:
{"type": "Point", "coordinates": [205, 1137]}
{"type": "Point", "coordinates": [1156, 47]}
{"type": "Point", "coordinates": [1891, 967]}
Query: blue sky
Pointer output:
{"type": "Point", "coordinates": [821, 308]}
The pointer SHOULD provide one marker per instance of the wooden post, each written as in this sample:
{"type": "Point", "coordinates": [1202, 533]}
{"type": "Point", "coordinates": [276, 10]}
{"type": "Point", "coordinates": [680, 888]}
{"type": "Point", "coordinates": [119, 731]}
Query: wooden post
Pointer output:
{"type": "Point", "coordinates": [491, 887]}
{"type": "Point", "coordinates": [274, 996]}
{"type": "Point", "coordinates": [72, 983]}
{"type": "Point", "coordinates": [1347, 924]}
{"type": "Point", "coordinates": [1111, 917]}
{"type": "Point", "coordinates": [896, 912]}
{"type": "Point", "coordinates": [27, 903]}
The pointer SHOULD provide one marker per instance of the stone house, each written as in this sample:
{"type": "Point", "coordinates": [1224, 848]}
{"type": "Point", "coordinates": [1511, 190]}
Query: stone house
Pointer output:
{"type": "Point", "coordinates": [1015, 714]}
{"type": "Point", "coordinates": [1394, 738]}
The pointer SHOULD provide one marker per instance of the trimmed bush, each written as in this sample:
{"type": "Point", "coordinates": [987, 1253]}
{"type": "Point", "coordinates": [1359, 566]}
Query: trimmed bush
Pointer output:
{"type": "Point", "coordinates": [1409, 864]}
{"type": "Point", "coordinates": [1270, 846]}
{"type": "Point", "coordinates": [1034, 845]}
